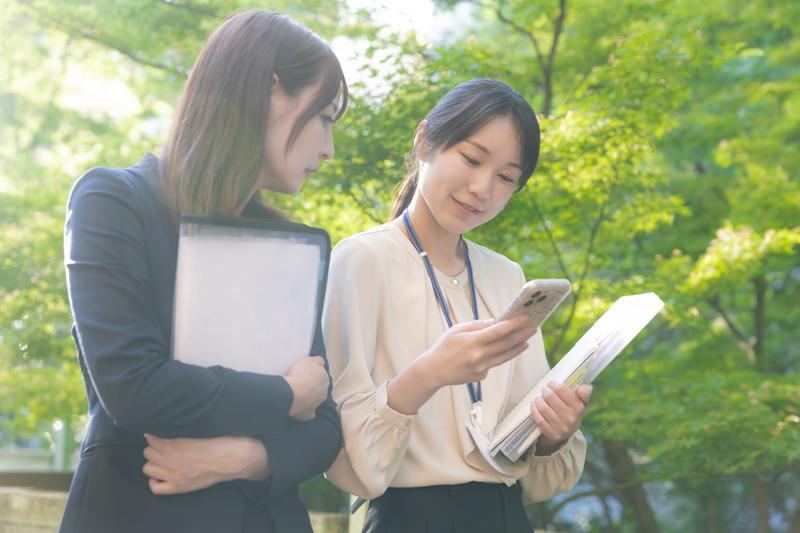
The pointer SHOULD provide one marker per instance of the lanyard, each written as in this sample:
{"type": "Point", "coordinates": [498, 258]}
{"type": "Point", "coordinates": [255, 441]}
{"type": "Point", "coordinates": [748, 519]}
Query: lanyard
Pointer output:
{"type": "Point", "coordinates": [473, 388]}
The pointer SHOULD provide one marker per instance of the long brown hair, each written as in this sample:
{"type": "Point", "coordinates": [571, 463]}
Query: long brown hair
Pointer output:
{"type": "Point", "coordinates": [461, 112]}
{"type": "Point", "coordinates": [215, 150]}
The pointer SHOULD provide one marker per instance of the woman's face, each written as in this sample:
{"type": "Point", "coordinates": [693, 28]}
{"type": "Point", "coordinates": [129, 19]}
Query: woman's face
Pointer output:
{"type": "Point", "coordinates": [285, 170]}
{"type": "Point", "coordinates": [470, 183]}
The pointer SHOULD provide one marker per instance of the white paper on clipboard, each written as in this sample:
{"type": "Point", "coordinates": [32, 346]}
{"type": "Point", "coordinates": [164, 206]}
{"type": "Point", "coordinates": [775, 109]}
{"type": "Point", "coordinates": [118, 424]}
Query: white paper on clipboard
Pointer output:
{"type": "Point", "coordinates": [246, 298]}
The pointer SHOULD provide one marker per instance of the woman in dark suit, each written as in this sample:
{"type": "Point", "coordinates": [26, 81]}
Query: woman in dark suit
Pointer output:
{"type": "Point", "coordinates": [256, 113]}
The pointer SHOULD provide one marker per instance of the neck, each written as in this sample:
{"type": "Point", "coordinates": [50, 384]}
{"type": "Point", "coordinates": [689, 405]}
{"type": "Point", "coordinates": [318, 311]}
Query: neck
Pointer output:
{"type": "Point", "coordinates": [443, 247]}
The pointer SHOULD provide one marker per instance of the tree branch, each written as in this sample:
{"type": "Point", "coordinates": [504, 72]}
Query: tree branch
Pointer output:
{"type": "Point", "coordinates": [744, 343]}
{"type": "Point", "coordinates": [173, 69]}
{"type": "Point", "coordinates": [197, 10]}
{"type": "Point", "coordinates": [559, 258]}
{"type": "Point", "coordinates": [759, 329]}
{"type": "Point", "coordinates": [90, 35]}
{"type": "Point", "coordinates": [365, 208]}
{"type": "Point", "coordinates": [558, 26]}
{"type": "Point", "coordinates": [545, 62]}
{"type": "Point", "coordinates": [586, 264]}
{"type": "Point", "coordinates": [498, 9]}
{"type": "Point", "coordinates": [597, 492]}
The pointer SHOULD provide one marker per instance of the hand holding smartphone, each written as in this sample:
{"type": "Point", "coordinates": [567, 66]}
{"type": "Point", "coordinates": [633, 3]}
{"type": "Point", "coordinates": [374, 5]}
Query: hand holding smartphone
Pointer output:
{"type": "Point", "coordinates": [538, 299]}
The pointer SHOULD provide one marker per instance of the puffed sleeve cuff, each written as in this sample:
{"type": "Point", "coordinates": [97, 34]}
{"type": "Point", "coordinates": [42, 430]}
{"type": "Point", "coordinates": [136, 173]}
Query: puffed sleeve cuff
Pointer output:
{"type": "Point", "coordinates": [385, 412]}
{"type": "Point", "coordinates": [556, 473]}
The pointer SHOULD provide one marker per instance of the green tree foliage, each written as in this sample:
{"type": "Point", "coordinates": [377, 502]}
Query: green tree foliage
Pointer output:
{"type": "Point", "coordinates": [669, 163]}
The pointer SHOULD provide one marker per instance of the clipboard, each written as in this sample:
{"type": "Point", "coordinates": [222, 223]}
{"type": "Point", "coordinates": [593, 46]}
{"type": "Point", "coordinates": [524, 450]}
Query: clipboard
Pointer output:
{"type": "Point", "coordinates": [248, 292]}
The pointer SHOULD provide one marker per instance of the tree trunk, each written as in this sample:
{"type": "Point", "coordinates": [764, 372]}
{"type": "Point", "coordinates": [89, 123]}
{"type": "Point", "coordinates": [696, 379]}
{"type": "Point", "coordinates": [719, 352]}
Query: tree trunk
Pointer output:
{"type": "Point", "coordinates": [794, 527]}
{"type": "Point", "coordinates": [634, 498]}
{"type": "Point", "coordinates": [760, 289]}
{"type": "Point", "coordinates": [711, 514]}
{"type": "Point", "coordinates": [762, 504]}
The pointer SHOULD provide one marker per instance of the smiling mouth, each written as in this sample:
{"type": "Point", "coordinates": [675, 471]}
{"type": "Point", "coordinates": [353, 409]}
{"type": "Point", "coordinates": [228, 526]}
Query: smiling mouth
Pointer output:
{"type": "Point", "coordinates": [467, 207]}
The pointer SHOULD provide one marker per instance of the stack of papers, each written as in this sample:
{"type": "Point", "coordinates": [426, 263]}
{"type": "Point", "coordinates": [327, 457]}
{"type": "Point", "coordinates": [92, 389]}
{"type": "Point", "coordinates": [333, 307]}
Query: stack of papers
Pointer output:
{"type": "Point", "coordinates": [614, 330]}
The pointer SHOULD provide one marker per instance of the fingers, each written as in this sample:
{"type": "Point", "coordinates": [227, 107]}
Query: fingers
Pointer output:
{"type": "Point", "coordinates": [507, 355]}
{"type": "Point", "coordinates": [584, 392]}
{"type": "Point", "coordinates": [159, 443]}
{"type": "Point", "coordinates": [499, 330]}
{"type": "Point", "coordinates": [558, 411]}
{"type": "Point", "coordinates": [559, 402]}
{"type": "Point", "coordinates": [561, 393]}
{"type": "Point", "coordinates": [318, 360]}
{"type": "Point", "coordinates": [541, 422]}
{"type": "Point", "coordinates": [154, 471]}
{"type": "Point", "coordinates": [514, 338]}
{"type": "Point", "coordinates": [161, 488]}
{"type": "Point", "coordinates": [154, 455]}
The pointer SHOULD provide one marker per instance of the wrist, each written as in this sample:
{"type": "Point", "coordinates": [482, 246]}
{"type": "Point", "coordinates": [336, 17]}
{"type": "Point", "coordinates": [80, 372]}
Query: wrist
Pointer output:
{"type": "Point", "coordinates": [423, 371]}
{"type": "Point", "coordinates": [545, 446]}
{"type": "Point", "coordinates": [293, 404]}
{"type": "Point", "coordinates": [254, 460]}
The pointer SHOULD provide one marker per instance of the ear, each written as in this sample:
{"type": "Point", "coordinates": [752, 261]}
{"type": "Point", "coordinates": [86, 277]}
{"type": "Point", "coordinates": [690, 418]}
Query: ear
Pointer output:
{"type": "Point", "coordinates": [420, 142]}
{"type": "Point", "coordinates": [279, 99]}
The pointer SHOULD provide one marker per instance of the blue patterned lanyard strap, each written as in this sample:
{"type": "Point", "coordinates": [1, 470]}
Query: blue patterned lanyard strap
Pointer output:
{"type": "Point", "coordinates": [474, 388]}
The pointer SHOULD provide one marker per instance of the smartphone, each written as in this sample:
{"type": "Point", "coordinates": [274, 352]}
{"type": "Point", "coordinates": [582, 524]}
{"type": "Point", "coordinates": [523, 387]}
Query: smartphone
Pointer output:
{"type": "Point", "coordinates": [538, 299]}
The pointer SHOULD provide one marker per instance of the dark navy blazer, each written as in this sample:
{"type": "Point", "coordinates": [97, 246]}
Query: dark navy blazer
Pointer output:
{"type": "Point", "coordinates": [120, 250]}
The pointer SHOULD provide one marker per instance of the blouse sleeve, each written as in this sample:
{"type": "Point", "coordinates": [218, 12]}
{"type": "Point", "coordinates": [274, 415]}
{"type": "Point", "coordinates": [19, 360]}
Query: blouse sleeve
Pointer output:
{"type": "Point", "coordinates": [375, 436]}
{"type": "Point", "coordinates": [552, 474]}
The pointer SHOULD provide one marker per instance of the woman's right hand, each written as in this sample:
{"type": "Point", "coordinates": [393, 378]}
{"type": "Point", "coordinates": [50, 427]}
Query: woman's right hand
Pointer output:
{"type": "Point", "coordinates": [309, 382]}
{"type": "Point", "coordinates": [467, 351]}
{"type": "Point", "coordinates": [464, 354]}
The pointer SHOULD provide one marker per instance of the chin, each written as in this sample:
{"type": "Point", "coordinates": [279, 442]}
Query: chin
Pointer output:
{"type": "Point", "coordinates": [288, 188]}
{"type": "Point", "coordinates": [455, 225]}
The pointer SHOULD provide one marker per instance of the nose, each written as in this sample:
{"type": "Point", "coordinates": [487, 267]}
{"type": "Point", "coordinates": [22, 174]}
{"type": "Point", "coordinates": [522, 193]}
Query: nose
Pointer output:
{"type": "Point", "coordinates": [327, 150]}
{"type": "Point", "coordinates": [481, 185]}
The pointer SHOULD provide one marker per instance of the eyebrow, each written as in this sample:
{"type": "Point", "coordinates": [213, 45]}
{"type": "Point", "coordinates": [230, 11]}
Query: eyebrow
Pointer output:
{"type": "Point", "coordinates": [486, 151]}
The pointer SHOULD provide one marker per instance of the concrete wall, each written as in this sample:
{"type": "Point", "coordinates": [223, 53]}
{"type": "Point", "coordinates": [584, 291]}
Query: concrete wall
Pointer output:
{"type": "Point", "coordinates": [30, 511]}
{"type": "Point", "coordinates": [38, 511]}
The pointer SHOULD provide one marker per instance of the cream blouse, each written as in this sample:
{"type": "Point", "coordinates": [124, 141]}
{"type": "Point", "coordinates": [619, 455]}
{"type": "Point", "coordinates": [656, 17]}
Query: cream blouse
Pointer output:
{"type": "Point", "coordinates": [381, 313]}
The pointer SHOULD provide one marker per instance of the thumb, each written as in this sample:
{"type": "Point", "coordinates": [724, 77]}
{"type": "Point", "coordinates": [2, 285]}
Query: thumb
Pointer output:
{"type": "Point", "coordinates": [474, 325]}
{"type": "Point", "coordinates": [584, 392]}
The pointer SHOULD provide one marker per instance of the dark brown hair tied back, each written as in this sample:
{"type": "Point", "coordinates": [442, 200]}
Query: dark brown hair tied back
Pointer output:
{"type": "Point", "coordinates": [464, 110]}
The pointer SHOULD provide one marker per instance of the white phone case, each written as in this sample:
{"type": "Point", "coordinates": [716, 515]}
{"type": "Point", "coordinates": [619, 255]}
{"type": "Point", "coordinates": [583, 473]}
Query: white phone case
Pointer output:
{"type": "Point", "coordinates": [538, 299]}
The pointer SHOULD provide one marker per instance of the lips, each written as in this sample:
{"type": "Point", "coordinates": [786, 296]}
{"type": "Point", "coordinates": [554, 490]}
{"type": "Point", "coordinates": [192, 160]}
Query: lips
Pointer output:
{"type": "Point", "coordinates": [468, 208]}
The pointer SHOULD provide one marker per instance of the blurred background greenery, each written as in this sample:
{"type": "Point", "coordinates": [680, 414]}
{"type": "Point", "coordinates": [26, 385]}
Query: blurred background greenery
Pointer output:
{"type": "Point", "coordinates": [670, 162]}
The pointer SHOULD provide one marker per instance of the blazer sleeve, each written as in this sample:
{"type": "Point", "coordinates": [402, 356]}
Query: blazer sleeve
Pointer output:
{"type": "Point", "coordinates": [375, 436]}
{"type": "Point", "coordinates": [126, 351]}
{"type": "Point", "coordinates": [300, 451]}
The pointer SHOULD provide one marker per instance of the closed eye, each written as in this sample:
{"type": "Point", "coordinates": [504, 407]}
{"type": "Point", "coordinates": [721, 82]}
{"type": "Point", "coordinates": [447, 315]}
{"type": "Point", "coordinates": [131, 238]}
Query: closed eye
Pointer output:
{"type": "Point", "coordinates": [471, 161]}
{"type": "Point", "coordinates": [508, 179]}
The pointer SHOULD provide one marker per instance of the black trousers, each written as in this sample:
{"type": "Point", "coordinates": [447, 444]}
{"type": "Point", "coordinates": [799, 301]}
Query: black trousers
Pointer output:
{"type": "Point", "coordinates": [466, 508]}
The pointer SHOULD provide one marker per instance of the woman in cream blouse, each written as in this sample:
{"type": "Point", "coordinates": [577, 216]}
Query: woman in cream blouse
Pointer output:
{"type": "Point", "coordinates": [401, 373]}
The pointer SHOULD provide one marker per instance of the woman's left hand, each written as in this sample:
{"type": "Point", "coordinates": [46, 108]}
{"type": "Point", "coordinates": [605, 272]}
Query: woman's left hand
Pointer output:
{"type": "Point", "coordinates": [558, 413]}
{"type": "Point", "coordinates": [181, 465]}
